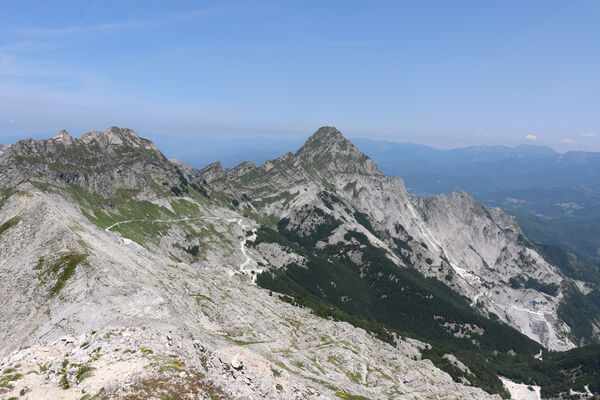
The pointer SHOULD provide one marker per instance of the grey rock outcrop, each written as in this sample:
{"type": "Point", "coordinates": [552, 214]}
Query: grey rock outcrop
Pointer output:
{"type": "Point", "coordinates": [189, 171]}
{"type": "Point", "coordinates": [101, 162]}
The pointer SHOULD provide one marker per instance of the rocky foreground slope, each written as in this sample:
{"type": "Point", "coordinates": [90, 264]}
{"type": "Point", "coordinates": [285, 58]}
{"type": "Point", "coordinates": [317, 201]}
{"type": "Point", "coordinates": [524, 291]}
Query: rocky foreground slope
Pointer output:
{"type": "Point", "coordinates": [121, 276]}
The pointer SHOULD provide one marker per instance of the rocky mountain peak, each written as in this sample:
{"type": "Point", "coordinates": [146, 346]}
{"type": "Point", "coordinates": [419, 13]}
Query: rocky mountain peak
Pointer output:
{"type": "Point", "coordinates": [115, 136]}
{"type": "Point", "coordinates": [325, 135]}
{"type": "Point", "coordinates": [329, 152]}
{"type": "Point", "coordinates": [63, 137]}
{"type": "Point", "coordinates": [101, 162]}
{"type": "Point", "coordinates": [212, 171]}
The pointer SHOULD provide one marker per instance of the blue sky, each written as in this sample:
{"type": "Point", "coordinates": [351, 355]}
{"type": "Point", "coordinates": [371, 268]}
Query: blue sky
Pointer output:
{"type": "Point", "coordinates": [443, 73]}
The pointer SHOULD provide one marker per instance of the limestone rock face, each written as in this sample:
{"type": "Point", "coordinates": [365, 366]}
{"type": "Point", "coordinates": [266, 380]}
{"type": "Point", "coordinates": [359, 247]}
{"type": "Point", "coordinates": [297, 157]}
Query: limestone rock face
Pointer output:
{"type": "Point", "coordinates": [325, 154]}
{"type": "Point", "coordinates": [473, 249]}
{"type": "Point", "coordinates": [211, 172]}
{"type": "Point", "coordinates": [98, 161]}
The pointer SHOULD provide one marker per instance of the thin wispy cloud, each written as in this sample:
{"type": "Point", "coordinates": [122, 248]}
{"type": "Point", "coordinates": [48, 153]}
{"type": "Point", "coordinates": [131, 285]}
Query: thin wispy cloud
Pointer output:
{"type": "Point", "coordinates": [358, 43]}
{"type": "Point", "coordinates": [589, 135]}
{"type": "Point", "coordinates": [37, 31]}
{"type": "Point", "coordinates": [24, 47]}
{"type": "Point", "coordinates": [568, 141]}
{"type": "Point", "coordinates": [121, 25]}
{"type": "Point", "coordinates": [169, 18]}
{"type": "Point", "coordinates": [531, 137]}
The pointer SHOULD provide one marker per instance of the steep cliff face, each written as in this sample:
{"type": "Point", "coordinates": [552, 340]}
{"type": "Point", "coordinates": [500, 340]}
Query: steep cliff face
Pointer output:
{"type": "Point", "coordinates": [101, 162]}
{"type": "Point", "coordinates": [474, 250]}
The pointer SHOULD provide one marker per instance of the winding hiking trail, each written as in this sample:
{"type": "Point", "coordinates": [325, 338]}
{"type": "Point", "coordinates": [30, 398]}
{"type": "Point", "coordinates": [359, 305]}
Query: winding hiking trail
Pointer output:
{"type": "Point", "coordinates": [251, 272]}
{"type": "Point", "coordinates": [251, 238]}
{"type": "Point", "coordinates": [151, 220]}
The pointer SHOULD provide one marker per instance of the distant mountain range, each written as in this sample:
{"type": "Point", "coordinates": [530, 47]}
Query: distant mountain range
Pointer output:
{"type": "Point", "coordinates": [554, 196]}
{"type": "Point", "coordinates": [485, 170]}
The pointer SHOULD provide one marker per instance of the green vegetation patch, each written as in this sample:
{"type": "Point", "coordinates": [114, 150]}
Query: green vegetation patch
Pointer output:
{"type": "Point", "coordinates": [581, 312]}
{"type": "Point", "coordinates": [175, 383]}
{"type": "Point", "coordinates": [7, 377]}
{"type": "Point", "coordinates": [568, 263]}
{"type": "Point", "coordinates": [39, 264]}
{"type": "Point", "coordinates": [9, 224]}
{"type": "Point", "coordinates": [349, 396]}
{"type": "Point", "coordinates": [286, 196]}
{"type": "Point", "coordinates": [351, 186]}
{"type": "Point", "coordinates": [558, 373]}
{"type": "Point", "coordinates": [363, 219]}
{"type": "Point", "coordinates": [62, 270]}
{"type": "Point", "coordinates": [576, 234]}
{"type": "Point", "coordinates": [550, 289]}
{"type": "Point", "coordinates": [5, 195]}
{"type": "Point", "coordinates": [83, 372]}
{"type": "Point", "coordinates": [289, 237]}
{"type": "Point", "coordinates": [138, 220]}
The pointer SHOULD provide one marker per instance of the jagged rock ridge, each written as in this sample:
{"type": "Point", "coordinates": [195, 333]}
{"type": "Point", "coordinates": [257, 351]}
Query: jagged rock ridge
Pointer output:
{"type": "Point", "coordinates": [325, 154]}
{"type": "Point", "coordinates": [98, 161]}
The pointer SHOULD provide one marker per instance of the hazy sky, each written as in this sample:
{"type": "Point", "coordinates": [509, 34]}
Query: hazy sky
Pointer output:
{"type": "Point", "coordinates": [443, 73]}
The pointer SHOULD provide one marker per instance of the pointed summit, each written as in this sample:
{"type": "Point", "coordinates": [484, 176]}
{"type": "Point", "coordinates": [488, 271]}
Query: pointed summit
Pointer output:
{"type": "Point", "coordinates": [326, 135]}
{"type": "Point", "coordinates": [63, 137]}
{"type": "Point", "coordinates": [329, 152]}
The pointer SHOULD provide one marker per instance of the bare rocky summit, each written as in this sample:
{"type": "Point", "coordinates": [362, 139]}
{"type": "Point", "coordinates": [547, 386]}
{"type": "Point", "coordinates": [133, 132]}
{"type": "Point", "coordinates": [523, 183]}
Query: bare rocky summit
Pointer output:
{"type": "Point", "coordinates": [102, 162]}
{"type": "Point", "coordinates": [328, 153]}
